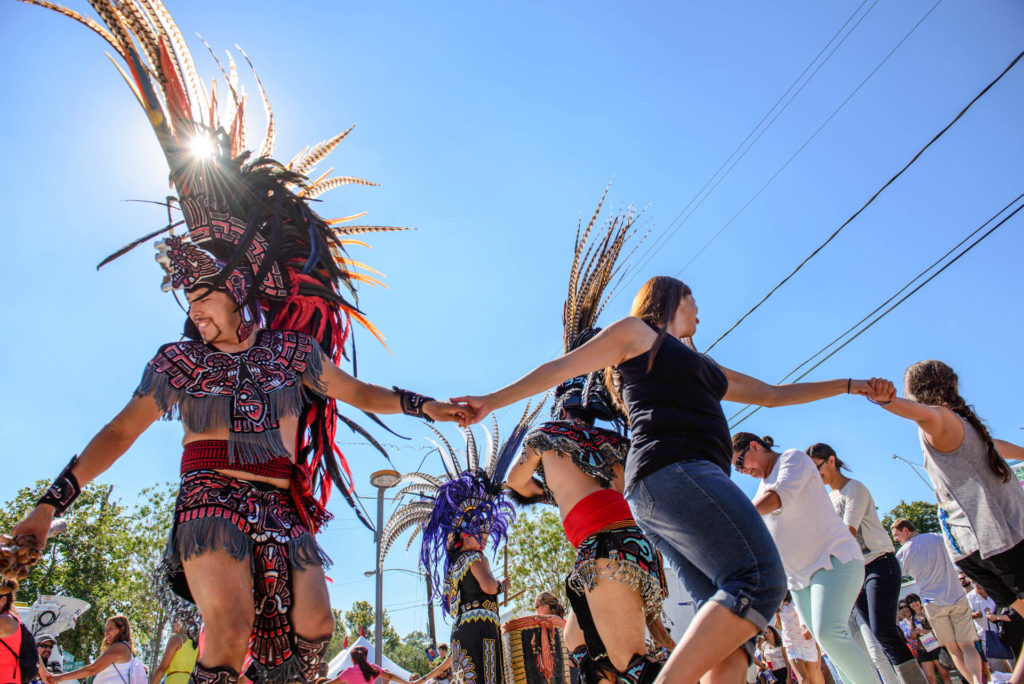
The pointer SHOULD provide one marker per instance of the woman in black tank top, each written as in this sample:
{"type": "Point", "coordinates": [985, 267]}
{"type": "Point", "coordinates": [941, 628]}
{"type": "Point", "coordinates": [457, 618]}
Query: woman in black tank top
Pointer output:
{"type": "Point", "coordinates": [677, 471]}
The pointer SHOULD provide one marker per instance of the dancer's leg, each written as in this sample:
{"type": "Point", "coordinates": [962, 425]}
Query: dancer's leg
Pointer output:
{"type": "Point", "coordinates": [222, 588]}
{"type": "Point", "coordinates": [311, 616]}
{"type": "Point", "coordinates": [955, 630]}
{"type": "Point", "coordinates": [618, 614]}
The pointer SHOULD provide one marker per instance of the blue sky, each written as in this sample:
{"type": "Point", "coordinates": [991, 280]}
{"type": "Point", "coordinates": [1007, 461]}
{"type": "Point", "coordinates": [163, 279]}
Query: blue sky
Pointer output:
{"type": "Point", "coordinates": [491, 127]}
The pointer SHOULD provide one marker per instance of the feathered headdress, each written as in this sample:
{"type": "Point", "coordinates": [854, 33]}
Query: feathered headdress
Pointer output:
{"type": "Point", "coordinates": [594, 266]}
{"type": "Point", "coordinates": [250, 231]}
{"type": "Point", "coordinates": [463, 501]}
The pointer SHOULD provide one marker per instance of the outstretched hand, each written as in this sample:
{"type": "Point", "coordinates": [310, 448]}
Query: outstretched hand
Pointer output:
{"type": "Point", "coordinates": [878, 390]}
{"type": "Point", "coordinates": [881, 391]}
{"type": "Point", "coordinates": [445, 412]}
{"type": "Point", "coordinates": [477, 408]}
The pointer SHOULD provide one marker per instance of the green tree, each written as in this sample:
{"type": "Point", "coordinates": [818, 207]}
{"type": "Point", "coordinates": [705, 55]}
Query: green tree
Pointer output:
{"type": "Point", "coordinates": [540, 557]}
{"type": "Point", "coordinates": [108, 557]}
{"type": "Point", "coordinates": [924, 515]}
{"type": "Point", "coordinates": [411, 653]}
{"type": "Point", "coordinates": [361, 617]}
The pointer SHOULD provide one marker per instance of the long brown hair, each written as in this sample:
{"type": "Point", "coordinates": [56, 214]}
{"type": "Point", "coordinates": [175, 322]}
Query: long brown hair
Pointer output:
{"type": "Point", "coordinates": [655, 303]}
{"type": "Point", "coordinates": [124, 633]}
{"type": "Point", "coordinates": [358, 655]}
{"type": "Point", "coordinates": [935, 384]}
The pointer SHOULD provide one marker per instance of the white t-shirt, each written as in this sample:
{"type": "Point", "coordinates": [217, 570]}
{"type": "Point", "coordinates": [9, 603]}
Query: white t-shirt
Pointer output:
{"type": "Point", "coordinates": [855, 505]}
{"type": "Point", "coordinates": [985, 606]}
{"type": "Point", "coordinates": [806, 529]}
{"type": "Point", "coordinates": [924, 558]}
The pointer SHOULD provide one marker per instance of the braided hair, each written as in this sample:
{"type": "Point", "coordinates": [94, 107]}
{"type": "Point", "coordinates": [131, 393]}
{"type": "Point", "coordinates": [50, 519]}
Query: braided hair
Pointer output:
{"type": "Point", "coordinates": [935, 384]}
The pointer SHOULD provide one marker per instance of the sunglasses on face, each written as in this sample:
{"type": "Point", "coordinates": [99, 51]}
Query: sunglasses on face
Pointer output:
{"type": "Point", "coordinates": [741, 458]}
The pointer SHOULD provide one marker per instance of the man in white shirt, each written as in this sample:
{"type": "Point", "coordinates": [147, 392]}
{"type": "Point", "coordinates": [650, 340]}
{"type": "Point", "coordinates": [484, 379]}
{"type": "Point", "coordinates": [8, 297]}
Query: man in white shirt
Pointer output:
{"type": "Point", "coordinates": [924, 557]}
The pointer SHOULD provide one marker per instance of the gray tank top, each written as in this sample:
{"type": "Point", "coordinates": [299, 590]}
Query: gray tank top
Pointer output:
{"type": "Point", "coordinates": [977, 510]}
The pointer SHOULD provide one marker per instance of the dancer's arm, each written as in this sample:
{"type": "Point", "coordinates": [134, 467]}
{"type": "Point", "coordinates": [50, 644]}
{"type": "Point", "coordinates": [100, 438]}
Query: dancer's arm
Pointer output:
{"type": "Point", "coordinates": [482, 572]}
{"type": "Point", "coordinates": [173, 644]}
{"type": "Point", "coordinates": [376, 399]}
{"type": "Point", "coordinates": [105, 660]}
{"type": "Point", "coordinates": [747, 390]}
{"type": "Point", "coordinates": [109, 444]}
{"type": "Point", "coordinates": [520, 476]}
{"type": "Point", "coordinates": [620, 341]}
{"type": "Point", "coordinates": [392, 677]}
{"type": "Point", "coordinates": [941, 426]}
{"type": "Point", "coordinates": [444, 665]}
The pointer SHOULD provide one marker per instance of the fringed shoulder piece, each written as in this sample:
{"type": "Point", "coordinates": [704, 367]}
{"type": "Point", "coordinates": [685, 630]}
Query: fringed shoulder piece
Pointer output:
{"type": "Point", "coordinates": [247, 392]}
{"type": "Point", "coordinates": [593, 450]}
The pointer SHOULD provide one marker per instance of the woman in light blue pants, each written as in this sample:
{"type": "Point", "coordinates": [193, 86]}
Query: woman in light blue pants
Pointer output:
{"type": "Point", "coordinates": [823, 562]}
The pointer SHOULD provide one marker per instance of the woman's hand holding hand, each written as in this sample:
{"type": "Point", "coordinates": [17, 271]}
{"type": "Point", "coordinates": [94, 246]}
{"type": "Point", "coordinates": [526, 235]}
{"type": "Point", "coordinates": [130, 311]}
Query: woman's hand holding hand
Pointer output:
{"type": "Point", "coordinates": [446, 412]}
{"type": "Point", "coordinates": [477, 407]}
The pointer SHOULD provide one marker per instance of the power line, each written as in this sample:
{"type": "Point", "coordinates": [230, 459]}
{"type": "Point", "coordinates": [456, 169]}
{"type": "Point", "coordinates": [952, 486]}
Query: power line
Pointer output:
{"type": "Point", "coordinates": [670, 232]}
{"type": "Point", "coordinates": [900, 301]}
{"type": "Point", "coordinates": [872, 199]}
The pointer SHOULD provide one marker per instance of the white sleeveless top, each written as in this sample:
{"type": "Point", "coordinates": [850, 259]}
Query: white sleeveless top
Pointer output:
{"type": "Point", "coordinates": [119, 673]}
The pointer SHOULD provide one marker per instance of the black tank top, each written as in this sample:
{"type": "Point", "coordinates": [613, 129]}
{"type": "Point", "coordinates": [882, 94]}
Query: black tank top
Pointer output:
{"type": "Point", "coordinates": [675, 411]}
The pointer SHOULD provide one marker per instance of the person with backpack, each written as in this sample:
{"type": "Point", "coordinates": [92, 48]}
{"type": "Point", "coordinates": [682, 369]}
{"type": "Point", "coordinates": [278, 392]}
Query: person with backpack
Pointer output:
{"type": "Point", "coordinates": [18, 658]}
{"type": "Point", "coordinates": [117, 663]}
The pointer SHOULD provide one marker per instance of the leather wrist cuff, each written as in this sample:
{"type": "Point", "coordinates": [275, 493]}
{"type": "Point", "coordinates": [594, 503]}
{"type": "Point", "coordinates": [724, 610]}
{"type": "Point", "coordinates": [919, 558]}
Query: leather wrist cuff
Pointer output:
{"type": "Point", "coordinates": [63, 491]}
{"type": "Point", "coordinates": [412, 403]}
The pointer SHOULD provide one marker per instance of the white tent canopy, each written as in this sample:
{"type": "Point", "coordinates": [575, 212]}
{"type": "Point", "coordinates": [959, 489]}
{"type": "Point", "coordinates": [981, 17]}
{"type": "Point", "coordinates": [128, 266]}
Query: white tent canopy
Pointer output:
{"type": "Point", "coordinates": [343, 660]}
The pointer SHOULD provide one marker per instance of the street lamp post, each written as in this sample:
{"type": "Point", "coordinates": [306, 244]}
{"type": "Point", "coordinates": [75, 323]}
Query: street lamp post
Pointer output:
{"type": "Point", "coordinates": [914, 467]}
{"type": "Point", "coordinates": [382, 480]}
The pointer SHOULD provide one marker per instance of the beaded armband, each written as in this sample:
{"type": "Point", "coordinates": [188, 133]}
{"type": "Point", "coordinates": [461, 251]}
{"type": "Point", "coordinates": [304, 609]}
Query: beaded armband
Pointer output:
{"type": "Point", "coordinates": [63, 491]}
{"type": "Point", "coordinates": [412, 403]}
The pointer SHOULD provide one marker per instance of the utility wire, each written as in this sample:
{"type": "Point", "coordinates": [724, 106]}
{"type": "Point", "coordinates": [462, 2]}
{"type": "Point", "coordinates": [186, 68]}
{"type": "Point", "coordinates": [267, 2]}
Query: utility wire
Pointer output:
{"type": "Point", "coordinates": [670, 232]}
{"type": "Point", "coordinates": [901, 300]}
{"type": "Point", "coordinates": [872, 199]}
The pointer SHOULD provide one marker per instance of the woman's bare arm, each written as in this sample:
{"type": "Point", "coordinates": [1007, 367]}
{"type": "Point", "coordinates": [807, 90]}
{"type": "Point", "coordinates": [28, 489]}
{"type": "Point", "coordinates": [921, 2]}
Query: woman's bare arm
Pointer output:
{"type": "Point", "coordinates": [620, 341]}
{"type": "Point", "coordinates": [747, 390]}
{"type": "Point", "coordinates": [106, 659]}
{"type": "Point", "coordinates": [941, 426]}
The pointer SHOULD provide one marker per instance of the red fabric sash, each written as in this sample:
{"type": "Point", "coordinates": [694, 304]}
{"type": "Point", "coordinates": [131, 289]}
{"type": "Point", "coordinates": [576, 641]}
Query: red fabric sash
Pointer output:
{"type": "Point", "coordinates": [212, 454]}
{"type": "Point", "coordinates": [594, 513]}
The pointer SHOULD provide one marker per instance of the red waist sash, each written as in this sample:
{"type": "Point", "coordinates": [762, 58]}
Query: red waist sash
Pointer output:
{"type": "Point", "coordinates": [211, 454]}
{"type": "Point", "coordinates": [595, 512]}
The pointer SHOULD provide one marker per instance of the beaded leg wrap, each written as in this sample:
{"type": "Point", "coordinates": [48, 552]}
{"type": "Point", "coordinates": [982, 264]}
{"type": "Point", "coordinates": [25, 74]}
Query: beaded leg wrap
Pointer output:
{"type": "Point", "coordinates": [642, 670]}
{"type": "Point", "coordinates": [259, 523]}
{"type": "Point", "coordinates": [310, 653]}
{"type": "Point", "coordinates": [212, 675]}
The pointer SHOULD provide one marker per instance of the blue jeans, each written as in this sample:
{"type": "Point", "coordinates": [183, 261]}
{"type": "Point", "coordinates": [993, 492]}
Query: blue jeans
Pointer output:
{"type": "Point", "coordinates": [712, 537]}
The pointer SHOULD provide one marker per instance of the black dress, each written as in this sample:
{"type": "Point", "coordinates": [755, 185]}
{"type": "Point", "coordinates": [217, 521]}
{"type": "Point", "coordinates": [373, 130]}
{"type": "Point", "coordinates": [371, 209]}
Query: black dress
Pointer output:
{"type": "Point", "coordinates": [476, 634]}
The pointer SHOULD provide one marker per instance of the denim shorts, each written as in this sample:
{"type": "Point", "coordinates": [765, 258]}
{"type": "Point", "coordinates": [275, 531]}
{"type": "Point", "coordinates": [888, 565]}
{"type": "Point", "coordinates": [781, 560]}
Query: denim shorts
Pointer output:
{"type": "Point", "coordinates": [712, 536]}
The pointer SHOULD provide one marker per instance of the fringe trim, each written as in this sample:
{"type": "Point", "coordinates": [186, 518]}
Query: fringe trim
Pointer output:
{"type": "Point", "coordinates": [196, 537]}
{"type": "Point", "coordinates": [563, 445]}
{"type": "Point", "coordinates": [585, 576]}
{"type": "Point", "coordinates": [288, 671]}
{"type": "Point", "coordinates": [312, 376]}
{"type": "Point", "coordinates": [203, 414]}
{"type": "Point", "coordinates": [304, 552]}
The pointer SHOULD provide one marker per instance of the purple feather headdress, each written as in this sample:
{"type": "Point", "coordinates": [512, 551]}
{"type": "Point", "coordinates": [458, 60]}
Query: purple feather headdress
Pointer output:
{"type": "Point", "coordinates": [466, 501]}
